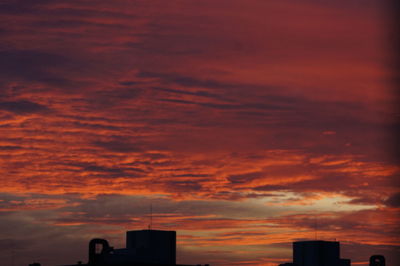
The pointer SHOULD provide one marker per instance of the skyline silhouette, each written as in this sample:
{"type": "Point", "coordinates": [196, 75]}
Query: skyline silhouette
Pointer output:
{"type": "Point", "coordinates": [157, 248]}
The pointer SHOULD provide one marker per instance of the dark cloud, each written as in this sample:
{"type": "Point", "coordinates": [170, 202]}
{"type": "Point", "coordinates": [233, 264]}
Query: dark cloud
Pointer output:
{"type": "Point", "coordinates": [272, 188]}
{"type": "Point", "coordinates": [268, 108]}
{"type": "Point", "coordinates": [24, 242]}
{"type": "Point", "coordinates": [20, 6]}
{"type": "Point", "coordinates": [245, 178]}
{"type": "Point", "coordinates": [74, 23]}
{"type": "Point", "coordinates": [23, 107]}
{"type": "Point", "coordinates": [192, 175]}
{"type": "Point", "coordinates": [95, 126]}
{"type": "Point", "coordinates": [105, 171]}
{"type": "Point", "coordinates": [200, 93]}
{"type": "Point", "coordinates": [119, 145]}
{"type": "Point", "coordinates": [187, 81]}
{"type": "Point", "coordinates": [33, 65]}
{"type": "Point", "coordinates": [10, 148]}
{"type": "Point", "coordinates": [393, 200]}
{"type": "Point", "coordinates": [367, 200]}
{"type": "Point", "coordinates": [97, 168]}
{"type": "Point", "coordinates": [11, 245]}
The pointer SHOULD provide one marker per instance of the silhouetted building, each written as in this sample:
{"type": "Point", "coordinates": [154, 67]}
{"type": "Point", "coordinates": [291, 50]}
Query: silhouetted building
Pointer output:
{"type": "Point", "coordinates": [344, 262]}
{"type": "Point", "coordinates": [317, 253]}
{"type": "Point", "coordinates": [143, 248]}
{"type": "Point", "coordinates": [153, 246]}
{"type": "Point", "coordinates": [377, 260]}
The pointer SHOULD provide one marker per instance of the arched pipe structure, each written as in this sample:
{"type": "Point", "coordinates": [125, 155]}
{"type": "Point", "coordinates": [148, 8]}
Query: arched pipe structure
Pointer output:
{"type": "Point", "coordinates": [105, 249]}
{"type": "Point", "coordinates": [377, 260]}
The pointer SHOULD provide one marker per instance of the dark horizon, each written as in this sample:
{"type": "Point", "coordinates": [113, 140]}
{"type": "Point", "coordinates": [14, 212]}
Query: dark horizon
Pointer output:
{"type": "Point", "coordinates": [150, 247]}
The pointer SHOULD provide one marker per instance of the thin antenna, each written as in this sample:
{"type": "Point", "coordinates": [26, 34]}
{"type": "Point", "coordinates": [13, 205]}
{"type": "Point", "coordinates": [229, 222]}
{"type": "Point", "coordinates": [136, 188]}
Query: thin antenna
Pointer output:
{"type": "Point", "coordinates": [151, 216]}
{"type": "Point", "coordinates": [13, 254]}
{"type": "Point", "coordinates": [316, 228]}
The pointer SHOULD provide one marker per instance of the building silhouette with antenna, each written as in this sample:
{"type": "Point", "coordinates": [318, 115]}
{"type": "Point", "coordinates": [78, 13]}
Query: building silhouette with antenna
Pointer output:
{"type": "Point", "coordinates": [158, 248]}
{"type": "Point", "coordinates": [143, 248]}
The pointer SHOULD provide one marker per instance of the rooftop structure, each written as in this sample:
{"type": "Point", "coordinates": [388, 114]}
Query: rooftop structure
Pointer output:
{"type": "Point", "coordinates": [377, 260]}
{"type": "Point", "coordinates": [317, 253]}
{"type": "Point", "coordinates": [143, 248]}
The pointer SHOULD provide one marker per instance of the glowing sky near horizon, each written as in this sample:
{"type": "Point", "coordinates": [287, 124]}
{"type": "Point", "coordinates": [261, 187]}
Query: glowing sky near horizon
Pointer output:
{"type": "Point", "coordinates": [246, 124]}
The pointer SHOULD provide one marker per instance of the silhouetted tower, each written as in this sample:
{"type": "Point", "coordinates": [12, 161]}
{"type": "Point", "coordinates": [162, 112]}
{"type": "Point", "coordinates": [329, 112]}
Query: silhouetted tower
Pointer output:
{"type": "Point", "coordinates": [316, 253]}
{"type": "Point", "coordinates": [155, 246]}
{"type": "Point", "coordinates": [377, 260]}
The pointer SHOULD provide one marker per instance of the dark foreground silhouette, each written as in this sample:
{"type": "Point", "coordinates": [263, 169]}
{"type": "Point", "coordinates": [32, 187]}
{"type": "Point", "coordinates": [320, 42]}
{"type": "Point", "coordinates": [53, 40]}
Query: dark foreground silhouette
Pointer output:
{"type": "Point", "coordinates": [158, 248]}
{"type": "Point", "coordinates": [143, 248]}
{"type": "Point", "coordinates": [323, 253]}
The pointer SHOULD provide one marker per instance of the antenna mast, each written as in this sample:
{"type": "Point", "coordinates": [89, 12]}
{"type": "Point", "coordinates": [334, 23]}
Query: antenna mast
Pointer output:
{"type": "Point", "coordinates": [151, 216]}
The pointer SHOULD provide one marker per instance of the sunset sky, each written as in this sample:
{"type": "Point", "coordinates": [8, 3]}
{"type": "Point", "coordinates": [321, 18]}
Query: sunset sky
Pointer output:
{"type": "Point", "coordinates": [245, 124]}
